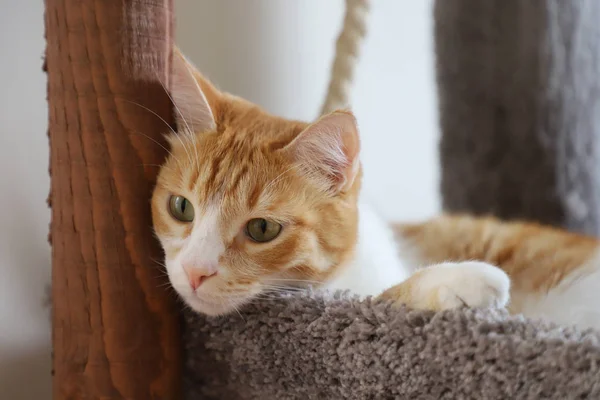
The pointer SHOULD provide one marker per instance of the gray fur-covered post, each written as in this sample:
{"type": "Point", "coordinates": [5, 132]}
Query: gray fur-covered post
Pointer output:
{"type": "Point", "coordinates": [519, 90]}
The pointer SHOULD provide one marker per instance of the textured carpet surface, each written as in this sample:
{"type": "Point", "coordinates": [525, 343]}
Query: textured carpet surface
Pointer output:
{"type": "Point", "coordinates": [314, 347]}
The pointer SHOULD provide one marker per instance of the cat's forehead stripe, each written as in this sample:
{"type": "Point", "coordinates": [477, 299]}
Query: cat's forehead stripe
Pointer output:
{"type": "Point", "coordinates": [194, 177]}
{"type": "Point", "coordinates": [254, 197]}
{"type": "Point", "coordinates": [219, 169]}
{"type": "Point", "coordinates": [225, 174]}
{"type": "Point", "coordinates": [236, 179]}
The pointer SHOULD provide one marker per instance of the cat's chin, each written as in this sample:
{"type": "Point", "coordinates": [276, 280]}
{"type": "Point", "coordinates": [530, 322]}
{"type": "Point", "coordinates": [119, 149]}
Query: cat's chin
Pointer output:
{"type": "Point", "coordinates": [212, 308]}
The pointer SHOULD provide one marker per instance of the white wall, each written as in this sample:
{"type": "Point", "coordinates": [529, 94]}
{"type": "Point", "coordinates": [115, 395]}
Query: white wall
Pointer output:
{"type": "Point", "coordinates": [24, 216]}
{"type": "Point", "coordinates": [276, 53]}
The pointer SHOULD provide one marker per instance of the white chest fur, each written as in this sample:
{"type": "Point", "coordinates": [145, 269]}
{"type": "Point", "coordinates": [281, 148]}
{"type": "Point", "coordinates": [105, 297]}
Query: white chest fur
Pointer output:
{"type": "Point", "coordinates": [376, 265]}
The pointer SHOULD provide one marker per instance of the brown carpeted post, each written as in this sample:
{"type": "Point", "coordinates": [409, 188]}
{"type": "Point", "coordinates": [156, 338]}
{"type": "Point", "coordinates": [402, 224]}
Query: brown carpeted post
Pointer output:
{"type": "Point", "coordinates": [115, 330]}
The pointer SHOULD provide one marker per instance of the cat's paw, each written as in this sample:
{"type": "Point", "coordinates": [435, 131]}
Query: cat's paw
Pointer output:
{"type": "Point", "coordinates": [469, 284]}
{"type": "Point", "coordinates": [453, 285]}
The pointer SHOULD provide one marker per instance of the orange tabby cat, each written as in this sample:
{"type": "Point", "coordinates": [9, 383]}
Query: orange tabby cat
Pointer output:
{"type": "Point", "coordinates": [248, 203]}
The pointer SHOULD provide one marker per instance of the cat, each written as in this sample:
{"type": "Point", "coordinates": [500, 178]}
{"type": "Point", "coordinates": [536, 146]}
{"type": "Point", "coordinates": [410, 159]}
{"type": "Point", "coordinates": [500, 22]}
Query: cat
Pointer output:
{"type": "Point", "coordinates": [248, 203]}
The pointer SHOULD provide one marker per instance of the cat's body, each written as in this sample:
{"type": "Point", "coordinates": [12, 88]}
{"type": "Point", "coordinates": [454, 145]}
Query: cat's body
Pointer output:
{"type": "Point", "coordinates": [555, 275]}
{"type": "Point", "coordinates": [248, 203]}
{"type": "Point", "coordinates": [376, 260]}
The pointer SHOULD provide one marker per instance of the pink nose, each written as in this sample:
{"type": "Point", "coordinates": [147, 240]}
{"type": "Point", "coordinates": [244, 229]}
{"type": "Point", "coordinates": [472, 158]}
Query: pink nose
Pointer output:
{"type": "Point", "coordinates": [197, 276]}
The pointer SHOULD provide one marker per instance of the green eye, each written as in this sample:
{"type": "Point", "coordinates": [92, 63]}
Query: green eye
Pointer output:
{"type": "Point", "coordinates": [262, 230]}
{"type": "Point", "coordinates": [181, 209]}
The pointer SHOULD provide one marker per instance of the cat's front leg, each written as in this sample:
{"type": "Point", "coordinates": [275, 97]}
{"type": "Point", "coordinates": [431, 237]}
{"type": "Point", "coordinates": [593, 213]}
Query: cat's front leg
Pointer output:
{"type": "Point", "coordinates": [452, 285]}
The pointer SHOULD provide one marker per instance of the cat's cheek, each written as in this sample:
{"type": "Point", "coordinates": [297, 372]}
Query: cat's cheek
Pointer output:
{"type": "Point", "coordinates": [178, 279]}
{"type": "Point", "coordinates": [214, 308]}
{"type": "Point", "coordinates": [173, 249]}
{"type": "Point", "coordinates": [173, 246]}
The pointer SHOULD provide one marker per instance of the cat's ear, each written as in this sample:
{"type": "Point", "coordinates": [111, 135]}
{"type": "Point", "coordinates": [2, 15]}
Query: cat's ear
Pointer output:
{"type": "Point", "coordinates": [328, 151]}
{"type": "Point", "coordinates": [191, 96]}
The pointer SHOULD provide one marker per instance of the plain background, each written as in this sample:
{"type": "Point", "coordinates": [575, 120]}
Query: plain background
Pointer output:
{"type": "Point", "coordinates": [276, 53]}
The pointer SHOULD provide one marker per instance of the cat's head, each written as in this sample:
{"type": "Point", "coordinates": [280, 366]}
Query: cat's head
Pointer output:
{"type": "Point", "coordinates": [248, 203]}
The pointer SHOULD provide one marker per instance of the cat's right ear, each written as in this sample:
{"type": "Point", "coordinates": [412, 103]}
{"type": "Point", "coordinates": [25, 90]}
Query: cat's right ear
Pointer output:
{"type": "Point", "coordinates": [327, 151]}
{"type": "Point", "coordinates": [193, 111]}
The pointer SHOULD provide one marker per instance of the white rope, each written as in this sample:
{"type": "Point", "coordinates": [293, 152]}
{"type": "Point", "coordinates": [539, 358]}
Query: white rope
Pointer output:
{"type": "Point", "coordinates": [347, 49]}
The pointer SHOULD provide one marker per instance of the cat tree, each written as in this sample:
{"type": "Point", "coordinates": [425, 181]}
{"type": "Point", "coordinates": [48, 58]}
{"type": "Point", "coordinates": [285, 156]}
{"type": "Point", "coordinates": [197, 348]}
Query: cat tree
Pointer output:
{"type": "Point", "coordinates": [115, 326]}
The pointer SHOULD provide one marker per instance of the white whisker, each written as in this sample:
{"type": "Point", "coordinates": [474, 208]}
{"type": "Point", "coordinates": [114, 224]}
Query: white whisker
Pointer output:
{"type": "Point", "coordinates": [155, 141]}
{"type": "Point", "coordinates": [166, 123]}
{"type": "Point", "coordinates": [173, 102]}
{"type": "Point", "coordinates": [189, 130]}
{"type": "Point", "coordinates": [292, 280]}
{"type": "Point", "coordinates": [283, 290]}
{"type": "Point", "coordinates": [154, 113]}
{"type": "Point", "coordinates": [158, 166]}
{"type": "Point", "coordinates": [237, 309]}
{"type": "Point", "coordinates": [159, 262]}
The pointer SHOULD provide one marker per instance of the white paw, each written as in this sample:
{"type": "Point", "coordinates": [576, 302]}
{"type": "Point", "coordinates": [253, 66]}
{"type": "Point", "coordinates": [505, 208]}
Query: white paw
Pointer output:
{"type": "Point", "coordinates": [471, 284]}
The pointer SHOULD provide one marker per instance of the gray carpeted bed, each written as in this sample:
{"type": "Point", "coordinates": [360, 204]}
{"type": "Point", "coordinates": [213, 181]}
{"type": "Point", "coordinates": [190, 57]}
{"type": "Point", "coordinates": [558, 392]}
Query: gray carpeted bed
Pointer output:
{"type": "Point", "coordinates": [520, 119]}
{"type": "Point", "coordinates": [316, 347]}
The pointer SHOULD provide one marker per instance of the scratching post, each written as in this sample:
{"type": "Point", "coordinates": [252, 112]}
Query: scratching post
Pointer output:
{"type": "Point", "coordinates": [519, 94]}
{"type": "Point", "coordinates": [115, 331]}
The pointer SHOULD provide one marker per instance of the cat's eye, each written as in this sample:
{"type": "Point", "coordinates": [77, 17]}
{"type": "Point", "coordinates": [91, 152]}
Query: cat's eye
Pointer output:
{"type": "Point", "coordinates": [181, 209]}
{"type": "Point", "coordinates": [262, 230]}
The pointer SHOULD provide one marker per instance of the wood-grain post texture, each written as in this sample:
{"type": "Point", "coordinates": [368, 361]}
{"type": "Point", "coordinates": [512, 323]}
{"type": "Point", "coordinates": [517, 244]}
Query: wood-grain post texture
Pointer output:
{"type": "Point", "coordinates": [115, 328]}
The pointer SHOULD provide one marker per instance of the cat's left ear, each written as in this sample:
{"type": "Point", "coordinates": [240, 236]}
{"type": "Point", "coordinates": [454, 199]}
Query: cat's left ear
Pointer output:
{"type": "Point", "coordinates": [328, 151]}
{"type": "Point", "coordinates": [192, 108]}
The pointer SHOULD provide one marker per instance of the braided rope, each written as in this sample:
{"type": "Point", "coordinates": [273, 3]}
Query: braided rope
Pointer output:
{"type": "Point", "coordinates": [347, 48]}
